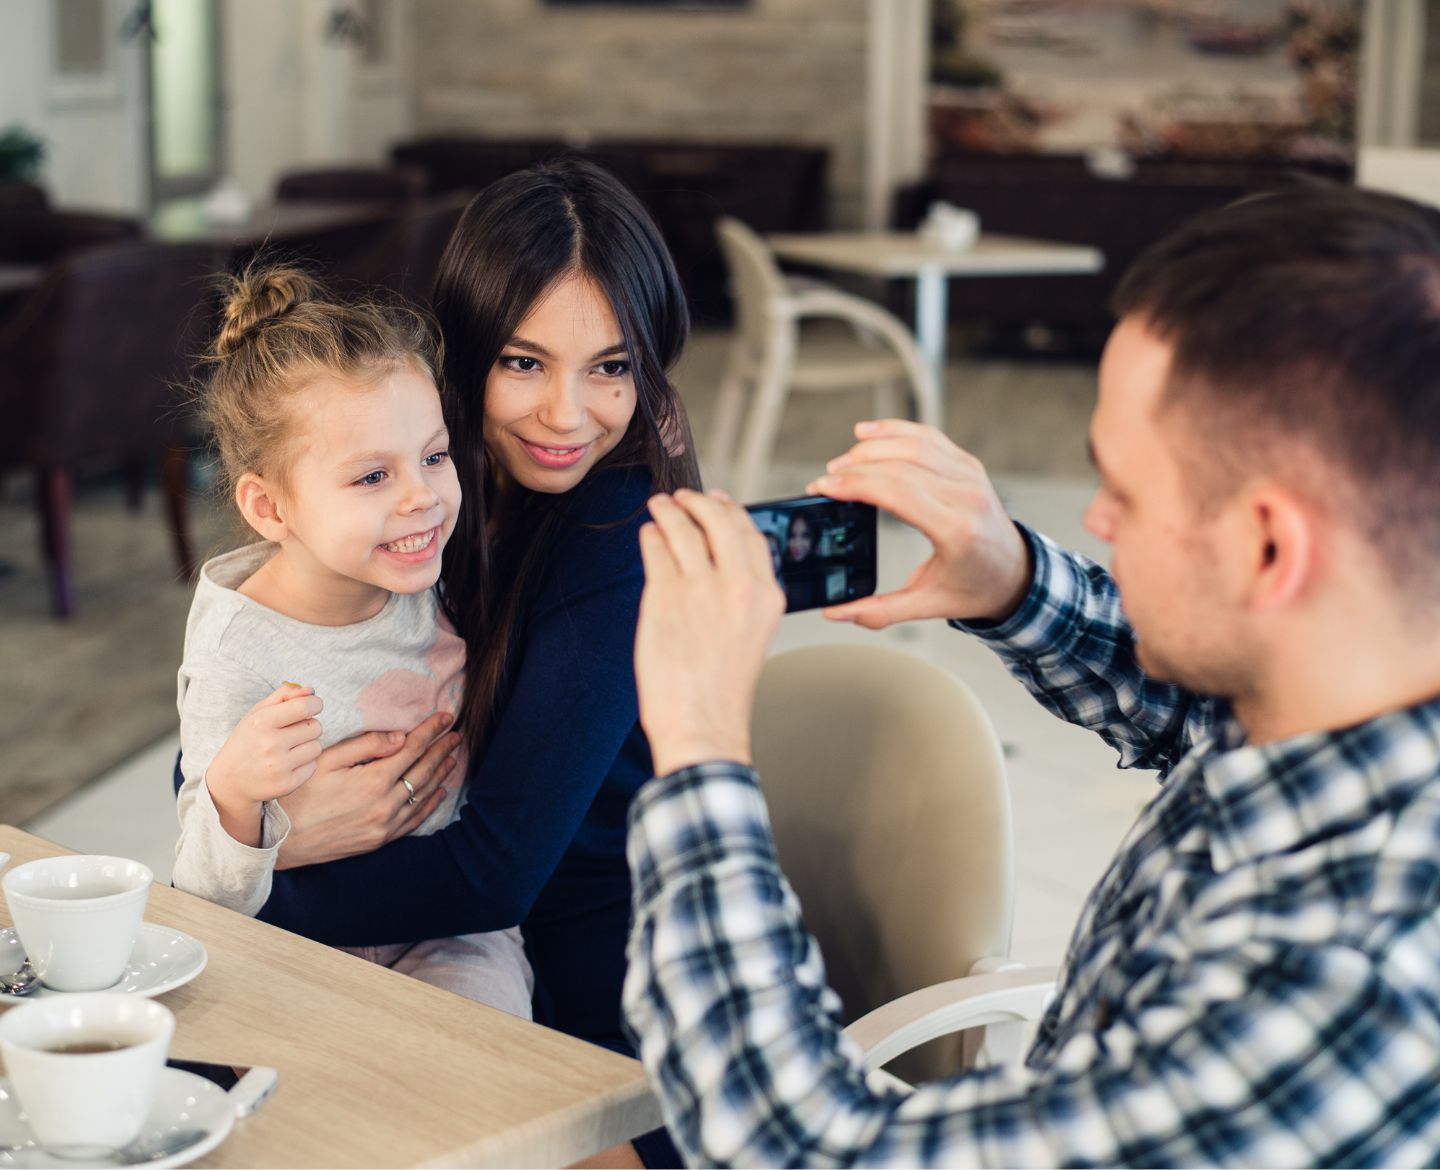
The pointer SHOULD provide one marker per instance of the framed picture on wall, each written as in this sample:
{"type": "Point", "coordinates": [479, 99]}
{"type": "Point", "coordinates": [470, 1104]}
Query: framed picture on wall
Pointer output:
{"type": "Point", "coordinates": [679, 5]}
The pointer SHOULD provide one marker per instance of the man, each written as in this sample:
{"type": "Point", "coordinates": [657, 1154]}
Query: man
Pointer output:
{"type": "Point", "coordinates": [1256, 980]}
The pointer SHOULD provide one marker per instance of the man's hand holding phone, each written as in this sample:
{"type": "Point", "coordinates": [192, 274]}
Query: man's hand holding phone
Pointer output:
{"type": "Point", "coordinates": [980, 564]}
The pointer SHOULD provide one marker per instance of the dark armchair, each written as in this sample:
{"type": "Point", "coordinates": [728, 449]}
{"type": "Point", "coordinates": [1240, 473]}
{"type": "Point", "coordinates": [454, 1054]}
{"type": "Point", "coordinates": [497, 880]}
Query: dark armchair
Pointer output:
{"type": "Point", "coordinates": [20, 195]}
{"type": "Point", "coordinates": [352, 185]}
{"type": "Point", "coordinates": [89, 373]}
{"type": "Point", "coordinates": [31, 236]}
{"type": "Point", "coordinates": [406, 260]}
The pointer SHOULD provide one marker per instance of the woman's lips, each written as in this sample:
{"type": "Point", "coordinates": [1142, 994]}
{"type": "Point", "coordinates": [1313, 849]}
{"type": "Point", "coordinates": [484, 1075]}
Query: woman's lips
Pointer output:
{"type": "Point", "coordinates": [557, 456]}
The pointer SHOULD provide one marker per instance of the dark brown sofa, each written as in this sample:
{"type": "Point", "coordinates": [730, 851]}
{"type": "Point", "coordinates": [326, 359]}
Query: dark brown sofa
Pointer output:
{"type": "Point", "coordinates": [686, 186]}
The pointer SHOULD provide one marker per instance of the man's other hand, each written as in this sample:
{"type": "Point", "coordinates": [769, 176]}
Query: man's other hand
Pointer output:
{"type": "Point", "coordinates": [709, 610]}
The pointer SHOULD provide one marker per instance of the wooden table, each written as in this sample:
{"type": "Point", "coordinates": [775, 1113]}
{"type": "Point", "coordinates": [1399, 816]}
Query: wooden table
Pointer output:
{"type": "Point", "coordinates": [376, 1068]}
{"type": "Point", "coordinates": [17, 279]}
{"type": "Point", "coordinates": [909, 254]}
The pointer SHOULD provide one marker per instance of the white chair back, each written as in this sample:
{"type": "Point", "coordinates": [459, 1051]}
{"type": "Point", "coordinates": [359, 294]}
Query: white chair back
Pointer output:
{"type": "Point", "coordinates": [755, 280]}
{"type": "Point", "coordinates": [887, 792]}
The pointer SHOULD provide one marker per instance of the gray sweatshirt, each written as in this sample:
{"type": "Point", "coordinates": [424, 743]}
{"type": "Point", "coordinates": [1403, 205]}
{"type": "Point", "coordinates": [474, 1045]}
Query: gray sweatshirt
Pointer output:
{"type": "Point", "coordinates": [386, 673]}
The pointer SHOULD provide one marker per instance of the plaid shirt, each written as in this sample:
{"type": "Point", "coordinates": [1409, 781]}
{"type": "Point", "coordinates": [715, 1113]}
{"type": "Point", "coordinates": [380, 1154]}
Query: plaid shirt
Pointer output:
{"type": "Point", "coordinates": [1255, 980]}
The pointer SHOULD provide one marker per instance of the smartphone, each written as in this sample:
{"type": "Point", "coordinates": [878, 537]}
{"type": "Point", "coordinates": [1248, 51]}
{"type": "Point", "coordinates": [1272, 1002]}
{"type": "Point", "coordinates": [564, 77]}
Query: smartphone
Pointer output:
{"type": "Point", "coordinates": [247, 1086]}
{"type": "Point", "coordinates": [823, 549]}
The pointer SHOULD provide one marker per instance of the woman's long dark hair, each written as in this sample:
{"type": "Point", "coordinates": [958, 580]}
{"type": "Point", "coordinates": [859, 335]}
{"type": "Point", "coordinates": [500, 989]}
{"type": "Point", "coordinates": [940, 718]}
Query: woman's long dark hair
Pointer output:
{"type": "Point", "coordinates": [516, 239]}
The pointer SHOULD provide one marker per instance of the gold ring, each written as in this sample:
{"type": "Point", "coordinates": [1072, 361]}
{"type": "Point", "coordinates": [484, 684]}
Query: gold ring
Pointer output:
{"type": "Point", "coordinates": [410, 788]}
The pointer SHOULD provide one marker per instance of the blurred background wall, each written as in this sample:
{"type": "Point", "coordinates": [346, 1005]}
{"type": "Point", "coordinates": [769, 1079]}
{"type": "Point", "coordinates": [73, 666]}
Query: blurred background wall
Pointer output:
{"type": "Point", "coordinates": [777, 71]}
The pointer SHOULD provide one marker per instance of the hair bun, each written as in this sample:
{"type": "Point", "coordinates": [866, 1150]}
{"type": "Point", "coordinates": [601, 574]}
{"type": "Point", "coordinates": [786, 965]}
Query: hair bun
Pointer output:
{"type": "Point", "coordinates": [257, 295]}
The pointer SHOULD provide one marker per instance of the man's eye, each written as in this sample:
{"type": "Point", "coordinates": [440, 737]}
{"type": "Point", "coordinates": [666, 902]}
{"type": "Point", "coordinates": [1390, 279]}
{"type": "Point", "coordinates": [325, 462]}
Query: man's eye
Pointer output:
{"type": "Point", "coordinates": [436, 458]}
{"type": "Point", "coordinates": [371, 479]}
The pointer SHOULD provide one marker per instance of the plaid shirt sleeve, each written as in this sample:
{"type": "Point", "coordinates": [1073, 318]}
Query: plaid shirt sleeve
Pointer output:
{"type": "Point", "coordinates": [727, 1002]}
{"type": "Point", "coordinates": [1071, 646]}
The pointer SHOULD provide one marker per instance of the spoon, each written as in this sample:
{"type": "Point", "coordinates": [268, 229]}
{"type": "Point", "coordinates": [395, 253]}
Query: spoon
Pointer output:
{"type": "Point", "coordinates": [21, 981]}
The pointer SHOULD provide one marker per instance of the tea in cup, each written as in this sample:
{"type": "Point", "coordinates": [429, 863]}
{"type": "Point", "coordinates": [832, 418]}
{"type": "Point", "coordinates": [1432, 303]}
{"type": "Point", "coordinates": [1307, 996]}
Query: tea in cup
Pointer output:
{"type": "Point", "coordinates": [78, 917]}
{"type": "Point", "coordinates": [85, 1068]}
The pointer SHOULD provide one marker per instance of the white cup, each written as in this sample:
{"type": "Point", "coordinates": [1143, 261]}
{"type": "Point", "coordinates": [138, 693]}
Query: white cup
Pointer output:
{"type": "Point", "coordinates": [77, 917]}
{"type": "Point", "coordinates": [84, 1101]}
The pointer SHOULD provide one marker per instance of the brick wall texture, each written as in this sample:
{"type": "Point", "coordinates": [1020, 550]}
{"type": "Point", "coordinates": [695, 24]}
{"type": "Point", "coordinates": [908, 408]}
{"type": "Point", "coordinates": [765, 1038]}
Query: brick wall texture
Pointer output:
{"type": "Point", "coordinates": [775, 71]}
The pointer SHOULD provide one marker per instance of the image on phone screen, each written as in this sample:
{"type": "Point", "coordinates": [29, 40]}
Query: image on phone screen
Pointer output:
{"type": "Point", "coordinates": [823, 550]}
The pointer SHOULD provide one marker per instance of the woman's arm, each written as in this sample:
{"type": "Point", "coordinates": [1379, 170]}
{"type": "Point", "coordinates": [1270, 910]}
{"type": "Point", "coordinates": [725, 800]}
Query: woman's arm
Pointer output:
{"type": "Point", "coordinates": [569, 710]}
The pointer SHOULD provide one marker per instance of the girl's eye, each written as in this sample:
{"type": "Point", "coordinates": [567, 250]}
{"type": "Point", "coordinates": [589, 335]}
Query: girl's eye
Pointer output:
{"type": "Point", "coordinates": [371, 479]}
{"type": "Point", "coordinates": [519, 363]}
{"type": "Point", "coordinates": [615, 369]}
{"type": "Point", "coordinates": [436, 458]}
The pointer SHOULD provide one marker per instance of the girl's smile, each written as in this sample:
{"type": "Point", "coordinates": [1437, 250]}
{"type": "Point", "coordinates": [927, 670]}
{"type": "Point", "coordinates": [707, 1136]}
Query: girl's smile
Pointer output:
{"type": "Point", "coordinates": [415, 550]}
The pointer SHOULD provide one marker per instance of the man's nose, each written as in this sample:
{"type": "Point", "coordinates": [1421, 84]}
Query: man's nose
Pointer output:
{"type": "Point", "coordinates": [1099, 521]}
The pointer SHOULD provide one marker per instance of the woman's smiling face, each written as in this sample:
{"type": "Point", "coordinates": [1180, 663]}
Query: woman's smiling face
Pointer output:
{"type": "Point", "coordinates": [561, 395]}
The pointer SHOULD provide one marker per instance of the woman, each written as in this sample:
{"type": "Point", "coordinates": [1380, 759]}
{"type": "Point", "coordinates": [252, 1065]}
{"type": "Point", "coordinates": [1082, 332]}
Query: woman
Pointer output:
{"type": "Point", "coordinates": [801, 572]}
{"type": "Point", "coordinates": [561, 314]}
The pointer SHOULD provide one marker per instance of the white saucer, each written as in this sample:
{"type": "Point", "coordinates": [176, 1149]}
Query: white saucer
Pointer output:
{"type": "Point", "coordinates": [182, 1101]}
{"type": "Point", "coordinates": [162, 960]}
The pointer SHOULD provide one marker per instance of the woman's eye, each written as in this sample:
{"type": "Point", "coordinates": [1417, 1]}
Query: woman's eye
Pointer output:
{"type": "Point", "coordinates": [436, 458]}
{"type": "Point", "coordinates": [371, 479]}
{"type": "Point", "coordinates": [519, 363]}
{"type": "Point", "coordinates": [616, 369]}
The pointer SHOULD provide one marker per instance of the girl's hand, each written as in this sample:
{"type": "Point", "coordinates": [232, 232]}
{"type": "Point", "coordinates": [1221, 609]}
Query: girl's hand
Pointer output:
{"type": "Point", "coordinates": [355, 802]}
{"type": "Point", "coordinates": [270, 754]}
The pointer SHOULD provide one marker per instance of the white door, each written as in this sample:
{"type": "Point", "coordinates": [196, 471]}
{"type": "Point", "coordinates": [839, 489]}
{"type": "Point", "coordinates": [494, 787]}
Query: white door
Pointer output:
{"type": "Point", "coordinates": [72, 73]}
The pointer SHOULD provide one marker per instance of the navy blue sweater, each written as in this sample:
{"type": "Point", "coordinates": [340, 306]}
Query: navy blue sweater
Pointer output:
{"type": "Point", "coordinates": [541, 840]}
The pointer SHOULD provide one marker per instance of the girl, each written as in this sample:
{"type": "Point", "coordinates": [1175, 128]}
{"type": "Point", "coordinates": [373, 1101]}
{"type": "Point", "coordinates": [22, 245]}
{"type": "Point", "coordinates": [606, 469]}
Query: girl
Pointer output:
{"type": "Point", "coordinates": [561, 315]}
{"type": "Point", "coordinates": [331, 437]}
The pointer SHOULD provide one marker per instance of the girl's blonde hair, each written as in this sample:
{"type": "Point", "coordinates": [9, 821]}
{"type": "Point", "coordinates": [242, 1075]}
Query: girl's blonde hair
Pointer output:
{"type": "Point", "coordinates": [282, 329]}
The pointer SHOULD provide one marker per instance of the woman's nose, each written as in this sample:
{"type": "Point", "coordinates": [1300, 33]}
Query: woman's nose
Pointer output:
{"type": "Point", "coordinates": [563, 408]}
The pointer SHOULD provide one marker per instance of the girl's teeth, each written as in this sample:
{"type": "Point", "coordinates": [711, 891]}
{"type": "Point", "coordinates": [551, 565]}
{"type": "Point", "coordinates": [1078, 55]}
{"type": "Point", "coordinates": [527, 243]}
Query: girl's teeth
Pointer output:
{"type": "Point", "coordinates": [411, 543]}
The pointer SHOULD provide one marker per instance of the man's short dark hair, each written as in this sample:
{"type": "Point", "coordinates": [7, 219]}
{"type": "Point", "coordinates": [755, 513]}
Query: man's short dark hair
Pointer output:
{"type": "Point", "coordinates": [1306, 321]}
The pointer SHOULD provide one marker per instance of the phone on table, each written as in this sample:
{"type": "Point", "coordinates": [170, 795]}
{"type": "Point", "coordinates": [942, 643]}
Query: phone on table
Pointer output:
{"type": "Point", "coordinates": [247, 1086]}
{"type": "Point", "coordinates": [823, 550]}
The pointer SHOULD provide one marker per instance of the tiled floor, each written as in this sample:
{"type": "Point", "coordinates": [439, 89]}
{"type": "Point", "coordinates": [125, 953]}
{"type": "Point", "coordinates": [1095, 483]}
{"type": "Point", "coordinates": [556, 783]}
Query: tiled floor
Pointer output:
{"type": "Point", "coordinates": [1071, 806]}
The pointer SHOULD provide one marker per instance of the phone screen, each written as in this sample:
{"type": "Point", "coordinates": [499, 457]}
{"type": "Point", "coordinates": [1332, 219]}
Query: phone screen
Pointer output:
{"type": "Point", "coordinates": [224, 1075]}
{"type": "Point", "coordinates": [823, 550]}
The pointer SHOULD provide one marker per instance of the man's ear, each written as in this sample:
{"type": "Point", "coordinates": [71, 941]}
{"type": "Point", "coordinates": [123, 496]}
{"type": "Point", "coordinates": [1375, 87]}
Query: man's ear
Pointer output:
{"type": "Point", "coordinates": [261, 506]}
{"type": "Point", "coordinates": [1283, 547]}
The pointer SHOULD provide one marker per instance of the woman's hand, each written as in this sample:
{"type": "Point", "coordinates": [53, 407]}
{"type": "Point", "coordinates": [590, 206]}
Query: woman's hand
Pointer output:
{"type": "Point", "coordinates": [356, 801]}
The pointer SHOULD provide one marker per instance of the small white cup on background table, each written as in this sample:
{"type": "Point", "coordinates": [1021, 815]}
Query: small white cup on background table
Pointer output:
{"type": "Point", "coordinates": [85, 1068]}
{"type": "Point", "coordinates": [78, 916]}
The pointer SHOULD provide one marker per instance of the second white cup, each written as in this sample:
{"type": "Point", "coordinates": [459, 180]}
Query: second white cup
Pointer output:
{"type": "Point", "coordinates": [85, 1067]}
{"type": "Point", "coordinates": [78, 917]}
